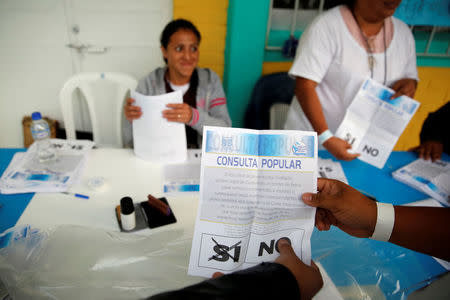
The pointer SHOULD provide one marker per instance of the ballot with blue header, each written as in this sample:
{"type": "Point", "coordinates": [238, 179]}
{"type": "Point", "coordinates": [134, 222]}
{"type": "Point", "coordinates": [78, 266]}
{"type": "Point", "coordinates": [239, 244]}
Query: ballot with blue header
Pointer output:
{"type": "Point", "coordinates": [251, 185]}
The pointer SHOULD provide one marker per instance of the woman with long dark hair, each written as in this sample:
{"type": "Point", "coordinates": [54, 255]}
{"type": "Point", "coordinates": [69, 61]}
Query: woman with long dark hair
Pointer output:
{"type": "Point", "coordinates": [204, 101]}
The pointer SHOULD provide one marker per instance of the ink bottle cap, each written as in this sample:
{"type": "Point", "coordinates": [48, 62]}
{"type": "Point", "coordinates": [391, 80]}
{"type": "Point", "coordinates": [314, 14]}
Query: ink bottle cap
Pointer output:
{"type": "Point", "coordinates": [127, 215]}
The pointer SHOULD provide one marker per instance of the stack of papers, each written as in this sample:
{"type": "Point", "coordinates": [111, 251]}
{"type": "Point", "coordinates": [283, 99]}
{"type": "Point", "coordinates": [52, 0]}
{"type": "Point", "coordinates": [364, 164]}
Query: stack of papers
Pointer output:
{"type": "Point", "coordinates": [373, 122]}
{"type": "Point", "coordinates": [431, 178]}
{"type": "Point", "coordinates": [25, 174]}
{"type": "Point", "coordinates": [329, 168]}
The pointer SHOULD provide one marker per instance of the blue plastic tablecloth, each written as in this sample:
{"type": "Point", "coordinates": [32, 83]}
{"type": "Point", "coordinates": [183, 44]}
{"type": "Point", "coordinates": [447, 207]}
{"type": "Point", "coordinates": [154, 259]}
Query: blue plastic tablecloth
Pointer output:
{"type": "Point", "coordinates": [352, 261]}
{"type": "Point", "coordinates": [12, 206]}
{"type": "Point", "coordinates": [348, 261]}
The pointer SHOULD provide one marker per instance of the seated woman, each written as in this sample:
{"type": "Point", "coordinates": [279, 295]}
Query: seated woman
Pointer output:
{"type": "Point", "coordinates": [204, 101]}
{"type": "Point", "coordinates": [340, 49]}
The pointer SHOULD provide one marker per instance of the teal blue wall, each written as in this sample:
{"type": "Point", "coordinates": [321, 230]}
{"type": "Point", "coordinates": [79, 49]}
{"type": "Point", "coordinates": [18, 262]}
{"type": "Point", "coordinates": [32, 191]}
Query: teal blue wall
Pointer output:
{"type": "Point", "coordinates": [244, 53]}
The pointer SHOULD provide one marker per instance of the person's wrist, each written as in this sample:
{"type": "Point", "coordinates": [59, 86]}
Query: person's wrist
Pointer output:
{"type": "Point", "coordinates": [324, 136]}
{"type": "Point", "coordinates": [384, 222]}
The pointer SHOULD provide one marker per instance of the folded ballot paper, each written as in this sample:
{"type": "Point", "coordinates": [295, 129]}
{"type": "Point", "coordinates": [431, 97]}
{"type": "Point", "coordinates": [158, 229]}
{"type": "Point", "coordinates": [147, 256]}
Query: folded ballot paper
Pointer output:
{"type": "Point", "coordinates": [373, 123]}
{"type": "Point", "coordinates": [251, 185]}
{"type": "Point", "coordinates": [25, 174]}
{"type": "Point", "coordinates": [431, 178]}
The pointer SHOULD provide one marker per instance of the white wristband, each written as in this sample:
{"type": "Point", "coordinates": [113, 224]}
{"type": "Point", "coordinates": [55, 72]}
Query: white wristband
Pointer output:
{"type": "Point", "coordinates": [324, 136]}
{"type": "Point", "coordinates": [385, 222]}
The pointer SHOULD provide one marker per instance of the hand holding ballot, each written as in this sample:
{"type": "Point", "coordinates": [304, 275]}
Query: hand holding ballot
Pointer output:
{"type": "Point", "coordinates": [423, 229]}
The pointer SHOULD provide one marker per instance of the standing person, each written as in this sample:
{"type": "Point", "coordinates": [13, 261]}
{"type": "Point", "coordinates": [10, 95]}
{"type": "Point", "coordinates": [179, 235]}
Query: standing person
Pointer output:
{"type": "Point", "coordinates": [204, 101]}
{"type": "Point", "coordinates": [340, 49]}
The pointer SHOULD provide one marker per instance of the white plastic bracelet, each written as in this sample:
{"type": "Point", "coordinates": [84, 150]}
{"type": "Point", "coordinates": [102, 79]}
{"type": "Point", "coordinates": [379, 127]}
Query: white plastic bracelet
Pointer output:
{"type": "Point", "coordinates": [324, 136]}
{"type": "Point", "coordinates": [385, 222]}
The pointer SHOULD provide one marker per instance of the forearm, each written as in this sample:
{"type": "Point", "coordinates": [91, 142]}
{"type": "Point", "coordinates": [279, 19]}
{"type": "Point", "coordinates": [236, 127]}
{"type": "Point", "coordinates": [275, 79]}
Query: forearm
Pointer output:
{"type": "Point", "coordinates": [310, 103]}
{"type": "Point", "coordinates": [423, 229]}
{"type": "Point", "coordinates": [264, 281]}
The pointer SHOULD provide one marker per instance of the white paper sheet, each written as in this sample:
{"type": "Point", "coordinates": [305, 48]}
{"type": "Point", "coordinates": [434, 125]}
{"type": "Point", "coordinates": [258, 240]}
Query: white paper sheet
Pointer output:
{"type": "Point", "coordinates": [155, 139]}
{"type": "Point", "coordinates": [329, 168]}
{"type": "Point", "coordinates": [432, 178]}
{"type": "Point", "coordinates": [373, 123]}
{"type": "Point", "coordinates": [25, 174]}
{"type": "Point", "coordinates": [250, 196]}
{"type": "Point", "coordinates": [183, 177]}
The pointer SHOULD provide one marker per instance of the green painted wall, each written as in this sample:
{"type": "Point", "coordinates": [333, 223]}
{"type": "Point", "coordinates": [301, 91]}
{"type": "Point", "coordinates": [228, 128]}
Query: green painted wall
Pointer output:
{"type": "Point", "coordinates": [244, 53]}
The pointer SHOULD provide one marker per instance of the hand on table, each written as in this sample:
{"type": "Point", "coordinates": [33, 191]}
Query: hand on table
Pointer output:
{"type": "Point", "coordinates": [429, 150]}
{"type": "Point", "coordinates": [308, 277]}
{"type": "Point", "coordinates": [339, 148]}
{"type": "Point", "coordinates": [132, 112]}
{"type": "Point", "coordinates": [180, 112]}
{"type": "Point", "coordinates": [406, 86]}
{"type": "Point", "coordinates": [341, 205]}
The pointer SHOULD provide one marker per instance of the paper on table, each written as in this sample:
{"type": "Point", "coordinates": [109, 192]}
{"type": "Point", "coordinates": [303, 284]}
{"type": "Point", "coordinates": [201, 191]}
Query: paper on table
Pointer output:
{"type": "Point", "coordinates": [26, 174]}
{"type": "Point", "coordinates": [251, 184]}
{"type": "Point", "coordinates": [432, 178]}
{"type": "Point", "coordinates": [373, 123]}
{"type": "Point", "coordinates": [183, 177]}
{"type": "Point", "coordinates": [155, 138]}
{"type": "Point", "coordinates": [329, 168]}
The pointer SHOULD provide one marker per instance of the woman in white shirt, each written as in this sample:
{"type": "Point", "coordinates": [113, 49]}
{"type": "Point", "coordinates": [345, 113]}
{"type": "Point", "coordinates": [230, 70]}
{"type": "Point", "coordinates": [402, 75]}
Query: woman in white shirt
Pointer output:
{"type": "Point", "coordinates": [339, 50]}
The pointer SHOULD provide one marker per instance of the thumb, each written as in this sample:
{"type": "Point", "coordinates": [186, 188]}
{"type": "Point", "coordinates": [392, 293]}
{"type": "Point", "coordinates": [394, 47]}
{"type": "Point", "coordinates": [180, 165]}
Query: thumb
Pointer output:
{"type": "Point", "coordinates": [311, 199]}
{"type": "Point", "coordinates": [322, 198]}
{"type": "Point", "coordinates": [284, 247]}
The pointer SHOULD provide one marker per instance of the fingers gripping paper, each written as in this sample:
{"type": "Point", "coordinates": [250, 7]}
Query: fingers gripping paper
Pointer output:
{"type": "Point", "coordinates": [250, 196]}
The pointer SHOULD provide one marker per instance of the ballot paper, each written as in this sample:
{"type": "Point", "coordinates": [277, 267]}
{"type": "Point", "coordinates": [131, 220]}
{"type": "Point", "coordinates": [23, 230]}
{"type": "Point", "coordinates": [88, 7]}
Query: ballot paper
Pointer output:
{"type": "Point", "coordinates": [251, 185]}
{"type": "Point", "coordinates": [432, 178]}
{"type": "Point", "coordinates": [26, 174]}
{"type": "Point", "coordinates": [373, 123]}
{"type": "Point", "coordinates": [329, 168]}
{"type": "Point", "coordinates": [183, 177]}
{"type": "Point", "coordinates": [156, 139]}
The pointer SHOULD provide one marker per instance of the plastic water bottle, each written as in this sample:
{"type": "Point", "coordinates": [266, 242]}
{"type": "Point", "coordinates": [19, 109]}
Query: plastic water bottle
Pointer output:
{"type": "Point", "coordinates": [41, 135]}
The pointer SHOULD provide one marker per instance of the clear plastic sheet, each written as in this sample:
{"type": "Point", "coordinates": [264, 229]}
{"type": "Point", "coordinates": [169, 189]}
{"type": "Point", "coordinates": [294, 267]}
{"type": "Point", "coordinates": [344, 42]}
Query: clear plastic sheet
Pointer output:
{"type": "Point", "coordinates": [73, 262]}
{"type": "Point", "coordinates": [368, 269]}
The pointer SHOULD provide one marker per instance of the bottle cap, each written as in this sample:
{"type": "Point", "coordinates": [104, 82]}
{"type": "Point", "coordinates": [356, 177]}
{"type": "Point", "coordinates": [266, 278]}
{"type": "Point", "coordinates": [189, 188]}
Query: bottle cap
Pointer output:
{"type": "Point", "coordinates": [126, 206]}
{"type": "Point", "coordinates": [36, 116]}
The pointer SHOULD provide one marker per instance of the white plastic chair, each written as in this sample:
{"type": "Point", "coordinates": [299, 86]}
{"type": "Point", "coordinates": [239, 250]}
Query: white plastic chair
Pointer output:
{"type": "Point", "coordinates": [105, 94]}
{"type": "Point", "coordinates": [278, 115]}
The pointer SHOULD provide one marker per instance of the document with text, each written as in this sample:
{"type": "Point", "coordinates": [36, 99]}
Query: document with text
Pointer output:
{"type": "Point", "coordinates": [156, 139]}
{"type": "Point", "coordinates": [251, 184]}
{"type": "Point", "coordinates": [431, 178]}
{"type": "Point", "coordinates": [26, 174]}
{"type": "Point", "coordinates": [373, 123]}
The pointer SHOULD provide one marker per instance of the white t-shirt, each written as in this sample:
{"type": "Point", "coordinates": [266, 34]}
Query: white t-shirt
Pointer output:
{"type": "Point", "coordinates": [329, 55]}
{"type": "Point", "coordinates": [183, 88]}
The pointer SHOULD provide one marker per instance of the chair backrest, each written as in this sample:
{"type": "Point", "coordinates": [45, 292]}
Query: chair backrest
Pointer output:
{"type": "Point", "coordinates": [269, 89]}
{"type": "Point", "coordinates": [278, 115]}
{"type": "Point", "coordinates": [105, 94]}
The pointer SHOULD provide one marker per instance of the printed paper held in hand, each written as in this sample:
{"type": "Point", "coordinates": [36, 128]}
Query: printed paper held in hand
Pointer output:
{"type": "Point", "coordinates": [155, 138]}
{"type": "Point", "coordinates": [432, 178]}
{"type": "Point", "coordinates": [373, 123]}
{"type": "Point", "coordinates": [251, 185]}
